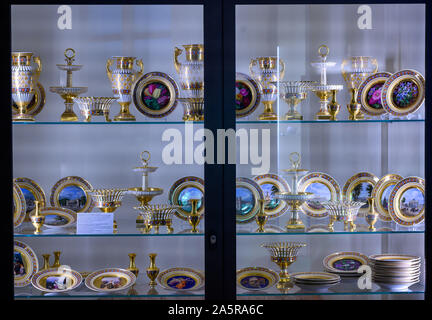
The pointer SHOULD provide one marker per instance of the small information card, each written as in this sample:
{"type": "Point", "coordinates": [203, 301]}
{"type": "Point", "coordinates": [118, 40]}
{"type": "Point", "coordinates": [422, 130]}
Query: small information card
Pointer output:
{"type": "Point", "coordinates": [95, 223]}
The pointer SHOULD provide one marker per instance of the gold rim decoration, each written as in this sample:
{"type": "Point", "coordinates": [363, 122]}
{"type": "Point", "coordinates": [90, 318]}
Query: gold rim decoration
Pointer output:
{"type": "Point", "coordinates": [270, 184]}
{"type": "Point", "coordinates": [247, 194]}
{"type": "Point", "coordinates": [361, 184]}
{"type": "Point", "coordinates": [327, 184]}
{"type": "Point", "coordinates": [369, 93]}
{"type": "Point", "coordinates": [36, 104]}
{"type": "Point", "coordinates": [381, 194]}
{"type": "Point", "coordinates": [248, 92]}
{"type": "Point", "coordinates": [19, 205]}
{"type": "Point", "coordinates": [25, 264]}
{"type": "Point", "coordinates": [256, 278]}
{"type": "Point", "coordinates": [56, 280]}
{"type": "Point", "coordinates": [407, 201]}
{"type": "Point", "coordinates": [58, 217]}
{"type": "Point", "coordinates": [110, 280]}
{"type": "Point", "coordinates": [403, 92]}
{"type": "Point", "coordinates": [153, 89]}
{"type": "Point", "coordinates": [315, 277]}
{"type": "Point", "coordinates": [182, 191]}
{"type": "Point", "coordinates": [32, 192]}
{"type": "Point", "coordinates": [181, 279]}
{"type": "Point", "coordinates": [345, 262]}
{"type": "Point", "coordinates": [70, 193]}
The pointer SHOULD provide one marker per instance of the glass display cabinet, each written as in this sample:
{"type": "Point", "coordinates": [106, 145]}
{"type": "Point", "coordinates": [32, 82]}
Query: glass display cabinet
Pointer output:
{"type": "Point", "coordinates": [116, 195]}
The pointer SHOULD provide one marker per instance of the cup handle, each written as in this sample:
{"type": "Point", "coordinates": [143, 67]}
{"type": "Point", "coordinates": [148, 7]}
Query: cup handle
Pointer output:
{"type": "Point", "coordinates": [108, 70]}
{"type": "Point", "coordinates": [38, 62]}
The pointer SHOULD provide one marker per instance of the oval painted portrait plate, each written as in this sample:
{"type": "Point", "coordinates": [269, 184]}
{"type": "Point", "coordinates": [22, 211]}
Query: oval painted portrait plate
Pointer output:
{"type": "Point", "coordinates": [25, 264]}
{"type": "Point", "coordinates": [182, 191]}
{"type": "Point", "coordinates": [247, 194]}
{"type": "Point", "coordinates": [248, 95]}
{"type": "Point", "coordinates": [369, 93]}
{"type": "Point", "coordinates": [256, 278]}
{"type": "Point", "coordinates": [181, 279]}
{"type": "Point", "coordinates": [56, 280]}
{"type": "Point", "coordinates": [69, 193]}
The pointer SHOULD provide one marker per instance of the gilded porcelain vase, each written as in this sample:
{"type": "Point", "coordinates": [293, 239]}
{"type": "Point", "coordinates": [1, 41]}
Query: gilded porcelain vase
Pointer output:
{"type": "Point", "coordinates": [24, 80]}
{"type": "Point", "coordinates": [265, 70]}
{"type": "Point", "coordinates": [191, 71]}
{"type": "Point", "coordinates": [122, 75]}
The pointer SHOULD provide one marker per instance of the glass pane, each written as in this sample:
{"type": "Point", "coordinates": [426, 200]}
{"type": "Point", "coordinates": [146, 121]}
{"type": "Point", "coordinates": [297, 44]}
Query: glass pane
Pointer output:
{"type": "Point", "coordinates": [129, 190]}
{"type": "Point", "coordinates": [331, 100]}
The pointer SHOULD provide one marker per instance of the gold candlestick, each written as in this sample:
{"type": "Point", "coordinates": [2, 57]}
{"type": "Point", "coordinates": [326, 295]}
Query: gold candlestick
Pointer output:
{"type": "Point", "coordinates": [46, 258]}
{"type": "Point", "coordinates": [56, 263]}
{"type": "Point", "coordinates": [152, 271]}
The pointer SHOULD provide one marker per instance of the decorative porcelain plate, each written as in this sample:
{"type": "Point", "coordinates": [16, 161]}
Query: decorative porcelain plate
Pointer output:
{"type": "Point", "coordinates": [32, 191]}
{"type": "Point", "coordinates": [369, 93]}
{"type": "Point", "coordinates": [56, 280]}
{"type": "Point", "coordinates": [110, 280]}
{"type": "Point", "coordinates": [182, 191]}
{"type": "Point", "coordinates": [36, 104]}
{"type": "Point", "coordinates": [403, 92]}
{"type": "Point", "coordinates": [181, 279]}
{"type": "Point", "coordinates": [19, 205]}
{"type": "Point", "coordinates": [25, 264]}
{"type": "Point", "coordinates": [315, 277]}
{"type": "Point", "coordinates": [359, 187]}
{"type": "Point", "coordinates": [407, 201]}
{"type": "Point", "coordinates": [344, 262]}
{"type": "Point", "coordinates": [58, 217]}
{"type": "Point", "coordinates": [381, 194]}
{"type": "Point", "coordinates": [256, 278]}
{"type": "Point", "coordinates": [69, 193]}
{"type": "Point", "coordinates": [247, 194]}
{"type": "Point", "coordinates": [248, 95]}
{"type": "Point", "coordinates": [270, 184]}
{"type": "Point", "coordinates": [324, 187]}
{"type": "Point", "coordinates": [155, 94]}
{"type": "Point", "coordinates": [389, 259]}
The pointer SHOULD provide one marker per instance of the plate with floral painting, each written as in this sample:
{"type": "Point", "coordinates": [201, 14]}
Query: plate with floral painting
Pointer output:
{"type": "Point", "coordinates": [248, 95]}
{"type": "Point", "coordinates": [369, 93]}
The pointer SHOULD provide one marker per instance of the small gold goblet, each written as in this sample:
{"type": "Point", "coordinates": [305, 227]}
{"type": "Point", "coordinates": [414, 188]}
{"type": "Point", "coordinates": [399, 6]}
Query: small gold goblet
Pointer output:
{"type": "Point", "coordinates": [194, 218]}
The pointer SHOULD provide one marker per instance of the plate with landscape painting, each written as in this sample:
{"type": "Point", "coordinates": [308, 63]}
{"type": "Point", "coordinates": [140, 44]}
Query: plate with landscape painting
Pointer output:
{"type": "Point", "coordinates": [369, 93]}
{"type": "Point", "coordinates": [247, 194]}
{"type": "Point", "coordinates": [25, 264]}
{"type": "Point", "coordinates": [182, 191]}
{"type": "Point", "coordinates": [403, 92]}
{"type": "Point", "coordinates": [155, 94]}
{"type": "Point", "coordinates": [345, 263]}
{"type": "Point", "coordinates": [19, 205]}
{"type": "Point", "coordinates": [110, 280]}
{"type": "Point", "coordinates": [248, 95]}
{"type": "Point", "coordinates": [69, 193]}
{"type": "Point", "coordinates": [324, 187]}
{"type": "Point", "coordinates": [359, 188]}
{"type": "Point", "coordinates": [56, 218]}
{"type": "Point", "coordinates": [181, 279]}
{"type": "Point", "coordinates": [381, 194]}
{"type": "Point", "coordinates": [407, 201]}
{"type": "Point", "coordinates": [56, 280]}
{"type": "Point", "coordinates": [31, 191]}
{"type": "Point", "coordinates": [256, 278]}
{"type": "Point", "coordinates": [270, 184]}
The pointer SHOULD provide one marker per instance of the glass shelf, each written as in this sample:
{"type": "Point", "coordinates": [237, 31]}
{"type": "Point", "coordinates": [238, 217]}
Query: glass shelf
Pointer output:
{"type": "Point", "coordinates": [114, 123]}
{"type": "Point", "coordinates": [141, 289]}
{"type": "Point", "coordinates": [328, 121]}
{"type": "Point", "coordinates": [345, 287]}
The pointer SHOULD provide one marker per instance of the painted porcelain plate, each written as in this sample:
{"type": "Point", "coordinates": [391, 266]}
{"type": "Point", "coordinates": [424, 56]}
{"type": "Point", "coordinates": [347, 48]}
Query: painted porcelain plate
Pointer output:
{"type": "Point", "coordinates": [381, 194]}
{"type": "Point", "coordinates": [315, 277]}
{"type": "Point", "coordinates": [403, 92]}
{"type": "Point", "coordinates": [155, 94]}
{"type": "Point", "coordinates": [56, 280]}
{"type": "Point", "coordinates": [369, 94]}
{"type": "Point", "coordinates": [32, 191]}
{"type": "Point", "coordinates": [359, 188]}
{"type": "Point", "coordinates": [181, 279]}
{"type": "Point", "coordinates": [324, 187]}
{"type": "Point", "coordinates": [247, 194]}
{"type": "Point", "coordinates": [56, 218]}
{"type": "Point", "coordinates": [256, 278]}
{"type": "Point", "coordinates": [110, 280]}
{"type": "Point", "coordinates": [182, 191]}
{"type": "Point", "coordinates": [407, 201]}
{"type": "Point", "coordinates": [69, 193]}
{"type": "Point", "coordinates": [270, 184]}
{"type": "Point", "coordinates": [345, 262]}
{"type": "Point", "coordinates": [19, 206]}
{"type": "Point", "coordinates": [248, 95]}
{"type": "Point", "coordinates": [36, 104]}
{"type": "Point", "coordinates": [25, 264]}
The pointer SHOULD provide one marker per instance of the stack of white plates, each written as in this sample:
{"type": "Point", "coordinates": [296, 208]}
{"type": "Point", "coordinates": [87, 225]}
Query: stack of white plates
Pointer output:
{"type": "Point", "coordinates": [315, 281]}
{"type": "Point", "coordinates": [395, 271]}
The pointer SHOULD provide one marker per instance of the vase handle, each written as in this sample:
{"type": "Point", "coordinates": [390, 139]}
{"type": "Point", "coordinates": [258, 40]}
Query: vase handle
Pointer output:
{"type": "Point", "coordinates": [177, 64]}
{"type": "Point", "coordinates": [140, 71]}
{"type": "Point", "coordinates": [108, 70]}
{"type": "Point", "coordinates": [251, 64]}
{"type": "Point", "coordinates": [281, 72]}
{"type": "Point", "coordinates": [38, 62]}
